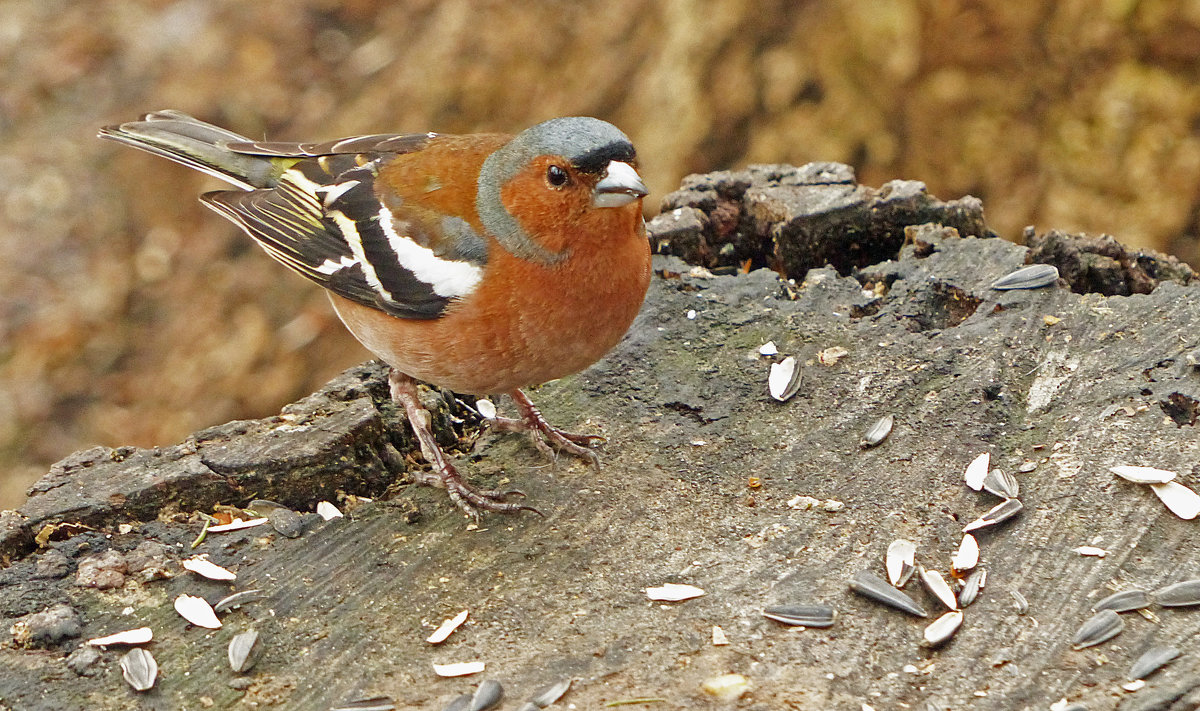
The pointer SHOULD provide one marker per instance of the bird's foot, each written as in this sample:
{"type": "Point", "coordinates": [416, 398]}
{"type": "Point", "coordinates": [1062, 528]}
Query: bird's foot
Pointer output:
{"type": "Point", "coordinates": [444, 476]}
{"type": "Point", "coordinates": [548, 439]}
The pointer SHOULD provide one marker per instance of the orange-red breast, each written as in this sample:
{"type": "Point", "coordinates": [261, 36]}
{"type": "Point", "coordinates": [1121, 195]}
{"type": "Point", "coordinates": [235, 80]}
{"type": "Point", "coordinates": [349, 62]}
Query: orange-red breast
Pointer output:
{"type": "Point", "coordinates": [482, 263]}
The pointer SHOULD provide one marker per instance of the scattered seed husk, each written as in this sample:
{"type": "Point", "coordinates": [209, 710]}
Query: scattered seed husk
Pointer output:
{"type": "Point", "coordinates": [1151, 661]}
{"type": "Point", "coordinates": [1020, 601]}
{"type": "Point", "coordinates": [141, 635]}
{"type": "Point", "coordinates": [768, 349]}
{"type": "Point", "coordinates": [197, 611]}
{"type": "Point", "coordinates": [936, 584]}
{"type": "Point", "coordinates": [784, 379]}
{"type": "Point", "coordinates": [1143, 475]}
{"type": "Point", "coordinates": [328, 511]}
{"type": "Point", "coordinates": [943, 628]}
{"type": "Point", "coordinates": [458, 668]}
{"type": "Point", "coordinates": [237, 524]}
{"type": "Point", "coordinates": [1182, 501]}
{"type": "Point", "coordinates": [878, 431]}
{"type": "Point", "coordinates": [1100, 627]}
{"type": "Point", "coordinates": [203, 567]}
{"type": "Point", "coordinates": [673, 592]}
{"type": "Point", "coordinates": [462, 702]}
{"type": "Point", "coordinates": [901, 558]}
{"type": "Point", "coordinates": [977, 471]}
{"type": "Point", "coordinates": [971, 587]}
{"type": "Point", "coordinates": [1002, 484]}
{"type": "Point", "coordinates": [1091, 551]}
{"type": "Point", "coordinates": [726, 687]}
{"type": "Point", "coordinates": [1026, 467]}
{"type": "Point", "coordinates": [1180, 594]}
{"type": "Point", "coordinates": [718, 637]}
{"type": "Point", "coordinates": [139, 669]}
{"type": "Point", "coordinates": [238, 599]}
{"type": "Point", "coordinates": [486, 408]}
{"type": "Point", "coordinates": [802, 615]}
{"type": "Point", "coordinates": [874, 587]}
{"type": "Point", "coordinates": [1135, 685]}
{"type": "Point", "coordinates": [244, 651]}
{"type": "Point", "coordinates": [1034, 276]}
{"type": "Point", "coordinates": [550, 694]}
{"type": "Point", "coordinates": [488, 694]}
{"type": "Point", "coordinates": [1000, 512]}
{"type": "Point", "coordinates": [447, 628]}
{"type": "Point", "coordinates": [374, 703]}
{"type": "Point", "coordinates": [1123, 601]}
{"type": "Point", "coordinates": [967, 556]}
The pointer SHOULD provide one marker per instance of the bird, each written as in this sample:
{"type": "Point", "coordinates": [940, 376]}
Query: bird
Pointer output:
{"type": "Point", "coordinates": [482, 263]}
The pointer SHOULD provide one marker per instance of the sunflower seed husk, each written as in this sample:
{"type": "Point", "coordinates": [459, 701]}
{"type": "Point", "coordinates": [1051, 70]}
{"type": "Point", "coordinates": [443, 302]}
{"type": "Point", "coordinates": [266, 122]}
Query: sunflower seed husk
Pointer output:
{"type": "Point", "coordinates": [489, 693]}
{"type": "Point", "coordinates": [1182, 501]}
{"type": "Point", "coordinates": [139, 669]}
{"type": "Point", "coordinates": [1000, 512]}
{"type": "Point", "coordinates": [673, 592]}
{"type": "Point", "coordinates": [1143, 475]}
{"type": "Point", "coordinates": [802, 615]}
{"type": "Point", "coordinates": [486, 408]}
{"type": "Point", "coordinates": [1021, 602]}
{"type": "Point", "coordinates": [1100, 627]}
{"type": "Point", "coordinates": [874, 587]}
{"type": "Point", "coordinates": [550, 694]}
{"type": "Point", "coordinates": [462, 702]}
{"type": "Point", "coordinates": [901, 558]}
{"type": "Point", "coordinates": [1123, 601]}
{"type": "Point", "coordinates": [977, 471]}
{"type": "Point", "coordinates": [237, 600]}
{"type": "Point", "coordinates": [1179, 594]}
{"type": "Point", "coordinates": [1151, 661]}
{"type": "Point", "coordinates": [967, 556]}
{"type": "Point", "coordinates": [784, 379]}
{"type": "Point", "coordinates": [328, 511]}
{"type": "Point", "coordinates": [1091, 551]}
{"type": "Point", "coordinates": [447, 628]}
{"type": "Point", "coordinates": [458, 668]}
{"type": "Point", "coordinates": [943, 628]}
{"type": "Point", "coordinates": [197, 611]}
{"type": "Point", "coordinates": [719, 639]}
{"type": "Point", "coordinates": [1002, 484]}
{"type": "Point", "coordinates": [374, 703]}
{"type": "Point", "coordinates": [141, 635]}
{"type": "Point", "coordinates": [237, 524]}
{"type": "Point", "coordinates": [971, 587]}
{"type": "Point", "coordinates": [205, 568]}
{"type": "Point", "coordinates": [878, 432]}
{"type": "Point", "coordinates": [726, 687]}
{"type": "Point", "coordinates": [936, 584]}
{"type": "Point", "coordinates": [768, 349]}
{"type": "Point", "coordinates": [1034, 276]}
{"type": "Point", "coordinates": [244, 651]}
{"type": "Point", "coordinates": [1135, 685]}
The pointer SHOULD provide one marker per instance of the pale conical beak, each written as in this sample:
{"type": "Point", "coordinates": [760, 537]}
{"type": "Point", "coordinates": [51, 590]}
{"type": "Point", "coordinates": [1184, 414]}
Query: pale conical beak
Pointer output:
{"type": "Point", "coordinates": [620, 185]}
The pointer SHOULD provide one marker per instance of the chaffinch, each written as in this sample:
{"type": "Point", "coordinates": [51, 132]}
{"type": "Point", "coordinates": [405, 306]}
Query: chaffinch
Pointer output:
{"type": "Point", "coordinates": [482, 263]}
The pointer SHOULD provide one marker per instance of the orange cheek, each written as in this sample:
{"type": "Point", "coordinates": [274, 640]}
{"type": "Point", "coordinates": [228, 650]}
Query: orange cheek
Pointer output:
{"type": "Point", "coordinates": [542, 212]}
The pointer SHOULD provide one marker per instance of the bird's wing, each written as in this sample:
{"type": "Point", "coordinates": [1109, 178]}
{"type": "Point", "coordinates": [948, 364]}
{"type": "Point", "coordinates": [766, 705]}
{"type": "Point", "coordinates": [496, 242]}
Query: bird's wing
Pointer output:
{"type": "Point", "coordinates": [325, 220]}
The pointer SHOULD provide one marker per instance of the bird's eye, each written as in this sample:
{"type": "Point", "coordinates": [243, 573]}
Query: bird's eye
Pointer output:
{"type": "Point", "coordinates": [556, 176]}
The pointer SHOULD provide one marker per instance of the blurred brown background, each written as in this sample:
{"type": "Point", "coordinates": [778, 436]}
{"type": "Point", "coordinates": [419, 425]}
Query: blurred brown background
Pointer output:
{"type": "Point", "coordinates": [131, 315]}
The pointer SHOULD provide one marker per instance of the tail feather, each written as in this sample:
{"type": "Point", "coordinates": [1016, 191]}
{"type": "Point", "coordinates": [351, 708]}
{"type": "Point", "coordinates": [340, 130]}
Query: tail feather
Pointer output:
{"type": "Point", "coordinates": [202, 146]}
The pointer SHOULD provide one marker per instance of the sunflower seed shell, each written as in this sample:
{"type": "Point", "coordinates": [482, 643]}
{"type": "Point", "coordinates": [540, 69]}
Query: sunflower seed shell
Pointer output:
{"type": "Point", "coordinates": [1034, 276]}
{"type": "Point", "coordinates": [971, 587]}
{"type": "Point", "coordinates": [489, 693]}
{"type": "Point", "coordinates": [1151, 661]}
{"type": "Point", "coordinates": [943, 628]}
{"type": "Point", "coordinates": [1182, 501]}
{"type": "Point", "coordinates": [878, 432]}
{"type": "Point", "coordinates": [1143, 475]}
{"type": "Point", "coordinates": [237, 600]}
{"type": "Point", "coordinates": [1100, 627]}
{"type": "Point", "coordinates": [998, 513]}
{"type": "Point", "coordinates": [1002, 484]}
{"type": "Point", "coordinates": [1123, 601]}
{"type": "Point", "coordinates": [874, 587]}
{"type": "Point", "coordinates": [244, 651]}
{"type": "Point", "coordinates": [784, 379]}
{"type": "Point", "coordinates": [967, 556]}
{"type": "Point", "coordinates": [936, 584]}
{"type": "Point", "coordinates": [901, 555]}
{"type": "Point", "coordinates": [139, 669]}
{"type": "Point", "coordinates": [802, 615]}
{"type": "Point", "coordinates": [550, 694]}
{"type": "Point", "coordinates": [197, 611]}
{"type": "Point", "coordinates": [1179, 594]}
{"type": "Point", "coordinates": [977, 471]}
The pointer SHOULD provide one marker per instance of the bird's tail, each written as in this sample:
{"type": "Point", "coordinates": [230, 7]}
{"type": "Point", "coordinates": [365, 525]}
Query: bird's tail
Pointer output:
{"type": "Point", "coordinates": [202, 146]}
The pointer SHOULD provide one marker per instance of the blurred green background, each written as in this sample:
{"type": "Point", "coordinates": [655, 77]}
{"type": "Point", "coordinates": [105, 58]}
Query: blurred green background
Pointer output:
{"type": "Point", "coordinates": [131, 315]}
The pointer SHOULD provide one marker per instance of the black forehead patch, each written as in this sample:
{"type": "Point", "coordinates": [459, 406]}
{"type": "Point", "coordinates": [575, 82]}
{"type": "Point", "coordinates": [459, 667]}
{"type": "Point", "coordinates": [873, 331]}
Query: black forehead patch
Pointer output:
{"type": "Point", "coordinates": [588, 143]}
{"type": "Point", "coordinates": [597, 159]}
